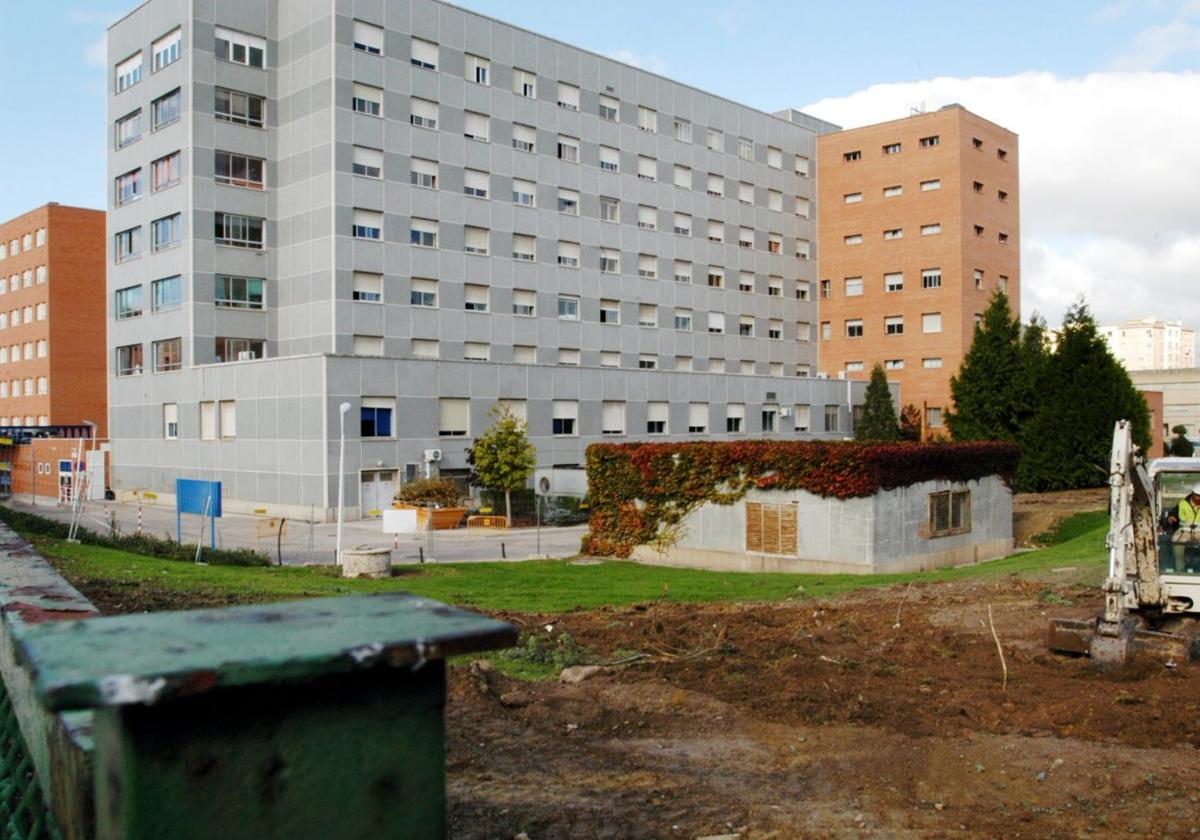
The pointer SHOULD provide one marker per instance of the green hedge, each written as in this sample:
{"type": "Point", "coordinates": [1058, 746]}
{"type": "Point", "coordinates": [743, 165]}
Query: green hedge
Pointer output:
{"type": "Point", "coordinates": [145, 544]}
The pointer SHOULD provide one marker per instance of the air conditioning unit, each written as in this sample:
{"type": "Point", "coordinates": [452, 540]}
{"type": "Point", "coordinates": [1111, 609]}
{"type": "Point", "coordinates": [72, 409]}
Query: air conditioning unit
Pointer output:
{"type": "Point", "coordinates": [247, 355]}
{"type": "Point", "coordinates": [433, 456]}
{"type": "Point", "coordinates": [841, 374]}
{"type": "Point", "coordinates": [785, 412]}
{"type": "Point", "coordinates": [822, 375]}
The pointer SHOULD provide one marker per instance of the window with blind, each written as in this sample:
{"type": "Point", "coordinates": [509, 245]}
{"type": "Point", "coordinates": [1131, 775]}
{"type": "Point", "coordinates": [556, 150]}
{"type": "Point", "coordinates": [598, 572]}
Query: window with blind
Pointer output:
{"type": "Point", "coordinates": [771, 528]}
{"type": "Point", "coordinates": [949, 513]}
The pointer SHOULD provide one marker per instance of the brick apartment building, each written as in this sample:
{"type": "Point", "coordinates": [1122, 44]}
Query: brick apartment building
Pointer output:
{"type": "Point", "coordinates": [919, 226]}
{"type": "Point", "coordinates": [52, 318]}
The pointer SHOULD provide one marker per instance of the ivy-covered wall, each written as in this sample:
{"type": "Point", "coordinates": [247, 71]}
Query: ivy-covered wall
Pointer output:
{"type": "Point", "coordinates": [639, 491]}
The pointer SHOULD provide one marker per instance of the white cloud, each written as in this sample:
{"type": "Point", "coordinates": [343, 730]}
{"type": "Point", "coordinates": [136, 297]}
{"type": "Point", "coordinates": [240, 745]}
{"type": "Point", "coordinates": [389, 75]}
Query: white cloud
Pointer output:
{"type": "Point", "coordinates": [732, 18]}
{"type": "Point", "coordinates": [1154, 46]}
{"type": "Point", "coordinates": [96, 52]}
{"type": "Point", "coordinates": [651, 62]}
{"type": "Point", "coordinates": [1110, 189]}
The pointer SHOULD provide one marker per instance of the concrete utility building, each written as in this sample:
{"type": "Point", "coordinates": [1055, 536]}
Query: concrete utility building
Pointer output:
{"type": "Point", "coordinates": [52, 318]}
{"type": "Point", "coordinates": [422, 212]}
{"type": "Point", "coordinates": [920, 224]}
{"type": "Point", "coordinates": [1149, 344]}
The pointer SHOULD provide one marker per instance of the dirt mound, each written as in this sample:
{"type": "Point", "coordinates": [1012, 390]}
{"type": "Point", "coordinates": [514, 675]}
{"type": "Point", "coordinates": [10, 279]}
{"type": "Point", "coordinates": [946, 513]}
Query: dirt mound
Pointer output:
{"type": "Point", "coordinates": [827, 719]}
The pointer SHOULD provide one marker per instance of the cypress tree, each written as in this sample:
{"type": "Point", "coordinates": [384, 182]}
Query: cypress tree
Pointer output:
{"type": "Point", "coordinates": [988, 391]}
{"type": "Point", "coordinates": [879, 415]}
{"type": "Point", "coordinates": [1084, 391]}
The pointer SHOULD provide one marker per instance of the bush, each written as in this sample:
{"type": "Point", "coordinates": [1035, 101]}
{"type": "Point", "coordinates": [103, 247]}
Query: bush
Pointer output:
{"type": "Point", "coordinates": [144, 544]}
{"type": "Point", "coordinates": [429, 492]}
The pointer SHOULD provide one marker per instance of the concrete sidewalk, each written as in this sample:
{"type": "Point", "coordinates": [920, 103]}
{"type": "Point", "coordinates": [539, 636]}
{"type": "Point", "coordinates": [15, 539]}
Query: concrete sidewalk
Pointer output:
{"type": "Point", "coordinates": [314, 544]}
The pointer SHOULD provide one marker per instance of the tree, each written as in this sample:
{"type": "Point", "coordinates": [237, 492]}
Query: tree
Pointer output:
{"type": "Point", "coordinates": [878, 420]}
{"type": "Point", "coordinates": [1180, 445]}
{"type": "Point", "coordinates": [502, 457]}
{"type": "Point", "coordinates": [1083, 392]}
{"type": "Point", "coordinates": [910, 423]}
{"type": "Point", "coordinates": [989, 393]}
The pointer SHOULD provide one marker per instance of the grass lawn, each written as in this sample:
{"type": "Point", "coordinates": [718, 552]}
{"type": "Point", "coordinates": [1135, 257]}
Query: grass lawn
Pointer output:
{"type": "Point", "coordinates": [556, 585]}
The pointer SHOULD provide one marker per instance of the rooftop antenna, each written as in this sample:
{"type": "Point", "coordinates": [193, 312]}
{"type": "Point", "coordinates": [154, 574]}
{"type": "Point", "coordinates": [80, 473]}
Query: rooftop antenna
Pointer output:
{"type": "Point", "coordinates": [914, 110]}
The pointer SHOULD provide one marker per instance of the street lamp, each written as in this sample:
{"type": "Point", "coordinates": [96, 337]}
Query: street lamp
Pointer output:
{"type": "Point", "coordinates": [343, 410]}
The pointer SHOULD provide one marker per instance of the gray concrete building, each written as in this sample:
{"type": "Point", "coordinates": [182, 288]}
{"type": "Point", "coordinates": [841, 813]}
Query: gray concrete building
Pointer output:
{"type": "Point", "coordinates": [422, 212]}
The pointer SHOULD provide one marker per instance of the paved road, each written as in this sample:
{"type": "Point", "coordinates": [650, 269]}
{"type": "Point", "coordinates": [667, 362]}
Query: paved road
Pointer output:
{"type": "Point", "coordinates": [305, 544]}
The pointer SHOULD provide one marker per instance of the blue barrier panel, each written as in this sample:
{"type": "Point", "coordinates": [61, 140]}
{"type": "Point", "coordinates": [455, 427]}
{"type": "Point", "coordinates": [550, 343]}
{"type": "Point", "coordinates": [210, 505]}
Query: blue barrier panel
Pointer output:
{"type": "Point", "coordinates": [202, 498]}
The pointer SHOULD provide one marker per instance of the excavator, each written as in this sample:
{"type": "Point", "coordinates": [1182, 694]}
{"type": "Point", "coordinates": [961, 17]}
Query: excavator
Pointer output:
{"type": "Point", "coordinates": [1152, 593]}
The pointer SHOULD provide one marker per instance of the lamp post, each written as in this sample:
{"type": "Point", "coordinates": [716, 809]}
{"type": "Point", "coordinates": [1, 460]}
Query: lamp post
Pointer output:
{"type": "Point", "coordinates": [343, 410]}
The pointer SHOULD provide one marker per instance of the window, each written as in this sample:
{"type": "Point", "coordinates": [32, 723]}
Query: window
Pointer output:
{"type": "Point", "coordinates": [170, 418]}
{"type": "Point", "coordinates": [375, 417]}
{"type": "Point", "coordinates": [129, 302]}
{"type": "Point", "coordinates": [831, 418]}
{"type": "Point", "coordinates": [892, 192]}
{"type": "Point", "coordinates": [853, 239]}
{"type": "Point", "coordinates": [647, 315]}
{"type": "Point", "coordinates": [745, 192]}
{"type": "Point", "coordinates": [716, 277]}
{"type": "Point", "coordinates": [647, 168]}
{"type": "Point", "coordinates": [949, 510]}
{"type": "Point", "coordinates": [683, 130]}
{"type": "Point", "coordinates": [745, 281]}
{"type": "Point", "coordinates": [240, 108]}
{"type": "Point", "coordinates": [1002, 195]}
{"type": "Point", "coordinates": [977, 186]}
{"type": "Point", "coordinates": [129, 72]}
{"type": "Point", "coordinates": [40, 273]}
{"type": "Point", "coordinates": [475, 183]}
{"type": "Point", "coordinates": [128, 244]}
{"type": "Point", "coordinates": [979, 230]}
{"type": "Point", "coordinates": [775, 200]}
{"type": "Point", "coordinates": [697, 418]}
{"type": "Point", "coordinates": [610, 209]}
{"type": "Point", "coordinates": [682, 224]}
{"type": "Point", "coordinates": [931, 322]}
{"type": "Point", "coordinates": [803, 333]}
{"type": "Point", "coordinates": [564, 417]}
{"type": "Point", "coordinates": [166, 293]}
{"type": "Point", "coordinates": [775, 243]}
{"type": "Point", "coordinates": [478, 70]}
{"type": "Point", "coordinates": [891, 149]}
{"type": "Point", "coordinates": [1003, 237]}
{"type": "Point", "coordinates": [239, 292]}
{"type": "Point", "coordinates": [612, 418]}
{"type": "Point", "coordinates": [475, 240]}
{"type": "Point", "coordinates": [893, 282]}
{"type": "Point", "coordinates": [893, 325]}
{"type": "Point", "coordinates": [745, 237]}
{"type": "Point", "coordinates": [568, 148]}
{"type": "Point", "coordinates": [647, 218]}
{"type": "Point", "coordinates": [168, 355]}
{"type": "Point", "coordinates": [167, 232]}
{"type": "Point", "coordinates": [978, 277]}
{"type": "Point", "coordinates": [682, 176]}
{"type": "Point", "coordinates": [367, 224]}
{"type": "Point", "coordinates": [610, 358]}
{"type": "Point", "coordinates": [568, 254]}
{"type": "Point", "coordinates": [129, 187]}
{"type": "Point", "coordinates": [683, 319]}
{"type": "Point", "coordinates": [367, 345]}
{"type": "Point", "coordinates": [524, 246]}
{"type": "Point", "coordinates": [228, 349]}
{"type": "Point", "coordinates": [648, 119]}
{"type": "Point", "coordinates": [774, 286]}
{"type": "Point", "coordinates": [368, 287]}
{"type": "Point", "coordinates": [423, 292]}
{"type": "Point", "coordinates": [769, 416]}
{"type": "Point", "coordinates": [475, 126]}
{"type": "Point", "coordinates": [931, 278]}
{"type": "Point", "coordinates": [610, 159]}
{"type": "Point", "coordinates": [854, 328]}
{"type": "Point", "coordinates": [423, 113]}
{"type": "Point", "coordinates": [930, 141]}
{"type": "Point", "coordinates": [475, 297]}
{"type": "Point", "coordinates": [852, 156]}
{"type": "Point", "coordinates": [568, 202]}
{"type": "Point", "coordinates": [165, 50]}
{"type": "Point", "coordinates": [568, 308]}
{"type": "Point", "coordinates": [771, 528]}
{"type": "Point", "coordinates": [854, 286]}
{"type": "Point", "coordinates": [369, 162]}
{"type": "Point", "coordinates": [1002, 283]}
{"type": "Point", "coordinates": [568, 96]}
{"type": "Point", "coordinates": [423, 233]}
{"type": "Point", "coordinates": [852, 198]}
{"type": "Point", "coordinates": [716, 365]}
{"type": "Point", "coordinates": [208, 421]}
{"type": "Point", "coordinates": [803, 290]}
{"type": "Point", "coordinates": [517, 408]}
{"type": "Point", "coordinates": [774, 157]}
{"type": "Point", "coordinates": [367, 99]}
{"type": "Point", "coordinates": [42, 348]}
{"type": "Point", "coordinates": [228, 412]}
{"type": "Point", "coordinates": [524, 83]}
{"type": "Point", "coordinates": [1001, 154]}
{"type": "Point", "coordinates": [128, 128]}
{"type": "Point", "coordinates": [648, 266]}
{"type": "Point", "coordinates": [713, 140]}
{"type": "Point", "coordinates": [802, 207]}
{"type": "Point", "coordinates": [610, 311]}
{"type": "Point", "coordinates": [930, 230]}
{"type": "Point", "coordinates": [239, 47]}
{"type": "Point", "coordinates": [775, 329]}
{"type": "Point", "coordinates": [931, 363]}
{"type": "Point", "coordinates": [716, 323]}
{"type": "Point", "coordinates": [894, 233]}
{"type": "Point", "coordinates": [746, 325]}
{"type": "Point", "coordinates": [166, 109]}
{"type": "Point", "coordinates": [716, 230]}
{"type": "Point", "coordinates": [933, 184]}
{"type": "Point", "coordinates": [524, 193]}
{"type": "Point", "coordinates": [568, 356]}
{"type": "Point", "coordinates": [129, 361]}
{"type": "Point", "coordinates": [368, 37]}
{"type": "Point", "coordinates": [716, 185]}
{"type": "Point", "coordinates": [229, 168]}
{"type": "Point", "coordinates": [976, 143]}
{"type": "Point", "coordinates": [425, 348]}
{"type": "Point", "coordinates": [682, 271]}
{"type": "Point", "coordinates": [735, 416]}
{"type": "Point", "coordinates": [745, 149]}
{"type": "Point", "coordinates": [40, 309]}
{"type": "Point", "coordinates": [657, 414]}
{"type": "Point", "coordinates": [423, 54]}
{"type": "Point", "coordinates": [475, 351]}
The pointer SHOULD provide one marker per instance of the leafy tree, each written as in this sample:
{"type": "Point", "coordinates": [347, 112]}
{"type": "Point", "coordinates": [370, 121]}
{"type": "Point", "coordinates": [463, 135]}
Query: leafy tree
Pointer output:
{"type": "Point", "coordinates": [878, 420]}
{"type": "Point", "coordinates": [989, 390]}
{"type": "Point", "coordinates": [1083, 392]}
{"type": "Point", "coordinates": [910, 423]}
{"type": "Point", "coordinates": [502, 457]}
{"type": "Point", "coordinates": [1180, 445]}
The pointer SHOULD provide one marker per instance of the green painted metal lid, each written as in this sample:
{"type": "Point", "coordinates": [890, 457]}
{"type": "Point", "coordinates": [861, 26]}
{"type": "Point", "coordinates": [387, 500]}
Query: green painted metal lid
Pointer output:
{"type": "Point", "coordinates": [151, 658]}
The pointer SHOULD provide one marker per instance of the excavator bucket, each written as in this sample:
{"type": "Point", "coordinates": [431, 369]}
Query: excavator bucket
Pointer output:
{"type": "Point", "coordinates": [1083, 638]}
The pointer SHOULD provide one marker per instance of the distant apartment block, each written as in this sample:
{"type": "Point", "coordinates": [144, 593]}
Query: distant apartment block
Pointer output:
{"type": "Point", "coordinates": [920, 225]}
{"type": "Point", "coordinates": [1149, 344]}
{"type": "Point", "coordinates": [52, 318]}
{"type": "Point", "coordinates": [425, 213]}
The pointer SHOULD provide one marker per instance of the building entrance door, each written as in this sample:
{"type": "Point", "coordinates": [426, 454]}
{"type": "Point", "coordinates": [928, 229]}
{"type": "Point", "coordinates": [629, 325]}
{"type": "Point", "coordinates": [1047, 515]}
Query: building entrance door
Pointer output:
{"type": "Point", "coordinates": [375, 495]}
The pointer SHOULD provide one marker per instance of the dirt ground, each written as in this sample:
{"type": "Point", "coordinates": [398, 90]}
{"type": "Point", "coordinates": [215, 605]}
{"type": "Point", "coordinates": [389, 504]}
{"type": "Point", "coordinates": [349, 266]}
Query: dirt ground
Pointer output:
{"type": "Point", "coordinates": [829, 720]}
{"type": "Point", "coordinates": [1037, 513]}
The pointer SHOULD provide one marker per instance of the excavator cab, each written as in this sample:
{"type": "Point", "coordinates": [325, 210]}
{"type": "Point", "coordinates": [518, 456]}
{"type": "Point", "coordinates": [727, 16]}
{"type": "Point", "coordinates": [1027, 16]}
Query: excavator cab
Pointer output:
{"type": "Point", "coordinates": [1178, 544]}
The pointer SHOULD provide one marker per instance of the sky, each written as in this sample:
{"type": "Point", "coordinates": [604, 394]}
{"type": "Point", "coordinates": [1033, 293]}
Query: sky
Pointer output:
{"type": "Point", "coordinates": [1104, 95]}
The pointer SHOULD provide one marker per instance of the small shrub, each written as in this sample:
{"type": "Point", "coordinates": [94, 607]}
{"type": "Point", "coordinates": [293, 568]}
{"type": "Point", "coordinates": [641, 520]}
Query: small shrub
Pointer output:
{"type": "Point", "coordinates": [429, 492]}
{"type": "Point", "coordinates": [559, 650]}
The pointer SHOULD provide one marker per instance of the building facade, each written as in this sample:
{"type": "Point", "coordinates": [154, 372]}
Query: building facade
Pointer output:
{"type": "Point", "coordinates": [1179, 391]}
{"type": "Point", "coordinates": [422, 212]}
{"type": "Point", "coordinates": [52, 318]}
{"type": "Point", "coordinates": [1149, 344]}
{"type": "Point", "coordinates": [920, 225]}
